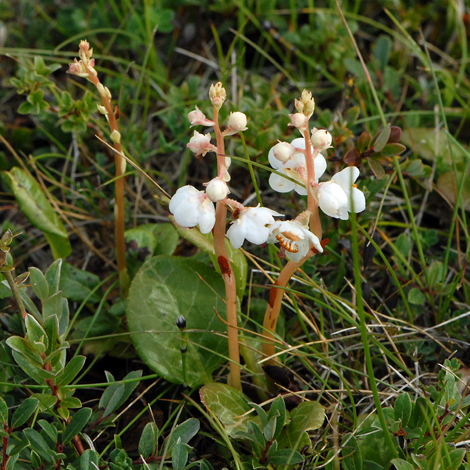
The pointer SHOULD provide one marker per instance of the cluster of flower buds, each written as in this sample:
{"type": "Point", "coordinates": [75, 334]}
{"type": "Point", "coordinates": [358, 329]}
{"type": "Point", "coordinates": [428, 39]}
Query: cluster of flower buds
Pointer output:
{"type": "Point", "coordinates": [86, 64]}
{"type": "Point", "coordinates": [336, 197]}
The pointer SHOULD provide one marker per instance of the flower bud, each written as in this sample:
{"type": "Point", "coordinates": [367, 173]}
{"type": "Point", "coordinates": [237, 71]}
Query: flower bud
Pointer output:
{"type": "Point", "coordinates": [321, 139]}
{"type": "Point", "coordinates": [217, 95]}
{"type": "Point", "coordinates": [217, 190]}
{"type": "Point", "coordinates": [299, 121]}
{"type": "Point", "coordinates": [283, 151]}
{"type": "Point", "coordinates": [180, 322]}
{"type": "Point", "coordinates": [115, 136]}
{"type": "Point", "coordinates": [200, 144]}
{"type": "Point", "coordinates": [236, 123]}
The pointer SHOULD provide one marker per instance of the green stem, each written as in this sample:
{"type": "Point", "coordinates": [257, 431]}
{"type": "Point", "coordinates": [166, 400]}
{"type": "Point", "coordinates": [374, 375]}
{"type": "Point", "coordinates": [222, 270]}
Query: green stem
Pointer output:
{"type": "Point", "coordinates": [16, 292]}
{"type": "Point", "coordinates": [365, 334]}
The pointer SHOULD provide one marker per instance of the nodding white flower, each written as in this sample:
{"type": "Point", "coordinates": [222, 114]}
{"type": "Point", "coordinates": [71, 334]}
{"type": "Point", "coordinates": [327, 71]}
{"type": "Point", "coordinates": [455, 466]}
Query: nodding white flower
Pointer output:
{"type": "Point", "coordinates": [321, 139]}
{"type": "Point", "coordinates": [295, 167]}
{"type": "Point", "coordinates": [294, 237]}
{"type": "Point", "coordinates": [251, 224]}
{"type": "Point", "coordinates": [236, 123]}
{"type": "Point", "coordinates": [340, 196]}
{"type": "Point", "coordinates": [192, 207]}
{"type": "Point", "coordinates": [200, 144]}
{"type": "Point", "coordinates": [197, 117]}
{"type": "Point", "coordinates": [217, 189]}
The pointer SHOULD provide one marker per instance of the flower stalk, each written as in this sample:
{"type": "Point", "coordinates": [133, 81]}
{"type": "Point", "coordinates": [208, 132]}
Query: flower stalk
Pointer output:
{"type": "Point", "coordinates": [85, 68]}
{"type": "Point", "coordinates": [225, 266]}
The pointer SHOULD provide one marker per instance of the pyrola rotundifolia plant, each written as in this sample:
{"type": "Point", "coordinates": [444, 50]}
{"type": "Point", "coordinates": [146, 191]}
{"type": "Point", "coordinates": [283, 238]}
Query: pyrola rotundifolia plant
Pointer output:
{"type": "Point", "coordinates": [299, 165]}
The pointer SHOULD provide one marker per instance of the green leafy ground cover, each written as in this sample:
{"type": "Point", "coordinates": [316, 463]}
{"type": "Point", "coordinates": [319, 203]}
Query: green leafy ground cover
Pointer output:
{"type": "Point", "coordinates": [373, 339]}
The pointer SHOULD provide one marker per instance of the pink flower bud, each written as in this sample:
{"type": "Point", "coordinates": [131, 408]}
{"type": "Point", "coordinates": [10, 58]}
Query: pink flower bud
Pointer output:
{"type": "Point", "coordinates": [299, 121]}
{"type": "Point", "coordinates": [197, 117]}
{"type": "Point", "coordinates": [321, 139]}
{"type": "Point", "coordinates": [283, 151]}
{"type": "Point", "coordinates": [217, 190]}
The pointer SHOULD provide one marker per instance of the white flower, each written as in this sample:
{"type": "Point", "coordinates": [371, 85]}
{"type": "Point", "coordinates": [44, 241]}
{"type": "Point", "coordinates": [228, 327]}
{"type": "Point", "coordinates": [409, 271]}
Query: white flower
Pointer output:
{"type": "Point", "coordinates": [192, 207]}
{"type": "Point", "coordinates": [321, 139]}
{"type": "Point", "coordinates": [200, 144]}
{"type": "Point", "coordinates": [197, 117]}
{"type": "Point", "coordinates": [294, 237]}
{"type": "Point", "coordinates": [295, 167]}
{"type": "Point", "coordinates": [251, 224]}
{"type": "Point", "coordinates": [217, 189]}
{"type": "Point", "coordinates": [340, 196]}
{"type": "Point", "coordinates": [236, 123]}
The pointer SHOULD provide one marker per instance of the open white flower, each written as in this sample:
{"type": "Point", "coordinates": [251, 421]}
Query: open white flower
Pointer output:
{"type": "Point", "coordinates": [340, 196]}
{"type": "Point", "coordinates": [294, 237]}
{"type": "Point", "coordinates": [192, 207]}
{"type": "Point", "coordinates": [296, 168]}
{"type": "Point", "coordinates": [251, 224]}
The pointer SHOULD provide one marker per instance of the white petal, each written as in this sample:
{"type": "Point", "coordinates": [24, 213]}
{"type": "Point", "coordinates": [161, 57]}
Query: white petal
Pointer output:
{"type": "Point", "coordinates": [280, 184]}
{"type": "Point", "coordinates": [302, 190]}
{"type": "Point", "coordinates": [320, 166]}
{"type": "Point", "coordinates": [183, 194]}
{"type": "Point", "coordinates": [186, 214]}
{"type": "Point", "coordinates": [315, 241]}
{"type": "Point", "coordinates": [299, 143]}
{"type": "Point", "coordinates": [357, 200]}
{"type": "Point", "coordinates": [256, 233]}
{"type": "Point", "coordinates": [273, 161]}
{"type": "Point", "coordinates": [346, 177]}
{"type": "Point", "coordinates": [206, 221]}
{"type": "Point", "coordinates": [236, 234]}
{"type": "Point", "coordinates": [331, 197]}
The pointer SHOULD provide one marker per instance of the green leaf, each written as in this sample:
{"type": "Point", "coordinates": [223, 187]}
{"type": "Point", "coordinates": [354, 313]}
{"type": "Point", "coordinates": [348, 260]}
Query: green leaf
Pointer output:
{"type": "Point", "coordinates": [3, 412]}
{"type": "Point", "coordinates": [306, 417]}
{"type": "Point", "coordinates": [70, 371]}
{"type": "Point", "coordinates": [446, 183]}
{"type": "Point", "coordinates": [403, 408]}
{"type": "Point", "coordinates": [183, 433]}
{"type": "Point", "coordinates": [39, 211]}
{"type": "Point", "coordinates": [38, 444]}
{"type": "Point", "coordinates": [40, 285]}
{"type": "Point", "coordinates": [53, 276]}
{"type": "Point", "coordinates": [12, 462]}
{"type": "Point", "coordinates": [89, 460]}
{"type": "Point", "coordinates": [130, 386]}
{"type": "Point", "coordinates": [166, 237]}
{"type": "Point", "coordinates": [382, 139]}
{"type": "Point", "coordinates": [381, 50]}
{"type": "Point", "coordinates": [352, 458]}
{"type": "Point", "coordinates": [24, 347]}
{"type": "Point", "coordinates": [206, 244]}
{"type": "Point", "coordinates": [148, 440]}
{"type": "Point", "coordinates": [164, 288]}
{"type": "Point", "coordinates": [24, 412]}
{"type": "Point", "coordinates": [50, 430]}
{"type": "Point", "coordinates": [285, 457]}
{"type": "Point", "coordinates": [53, 306]}
{"type": "Point", "coordinates": [403, 244]}
{"type": "Point", "coordinates": [391, 150]}
{"type": "Point", "coordinates": [77, 423]}
{"type": "Point", "coordinates": [376, 168]}
{"type": "Point", "coordinates": [278, 408]}
{"type": "Point", "coordinates": [31, 370]}
{"type": "Point", "coordinates": [46, 401]}
{"type": "Point", "coordinates": [416, 297]}
{"type": "Point", "coordinates": [456, 456]}
{"type": "Point", "coordinates": [228, 404]}
{"type": "Point", "coordinates": [34, 332]}
{"type": "Point", "coordinates": [71, 402]}
{"type": "Point", "coordinates": [111, 398]}
{"type": "Point", "coordinates": [180, 456]}
{"type": "Point", "coordinates": [140, 245]}
{"type": "Point", "coordinates": [401, 464]}
{"type": "Point", "coordinates": [51, 327]}
{"type": "Point", "coordinates": [76, 285]}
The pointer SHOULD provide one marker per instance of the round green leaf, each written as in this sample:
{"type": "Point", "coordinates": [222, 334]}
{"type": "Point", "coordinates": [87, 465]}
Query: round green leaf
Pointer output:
{"type": "Point", "coordinates": [164, 288]}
